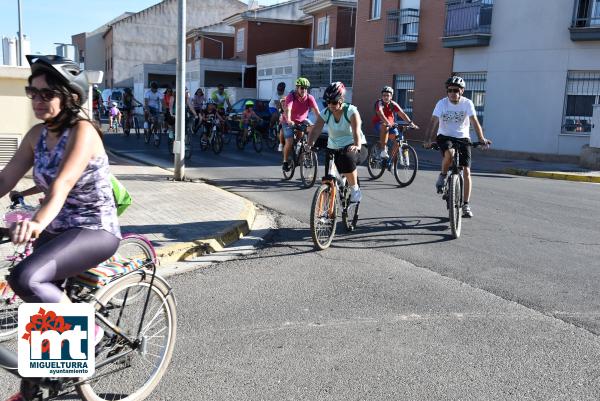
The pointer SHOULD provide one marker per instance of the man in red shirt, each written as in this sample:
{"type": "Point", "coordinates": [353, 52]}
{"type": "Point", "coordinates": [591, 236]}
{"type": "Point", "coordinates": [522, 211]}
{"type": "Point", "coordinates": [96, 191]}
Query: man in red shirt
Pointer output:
{"type": "Point", "coordinates": [384, 118]}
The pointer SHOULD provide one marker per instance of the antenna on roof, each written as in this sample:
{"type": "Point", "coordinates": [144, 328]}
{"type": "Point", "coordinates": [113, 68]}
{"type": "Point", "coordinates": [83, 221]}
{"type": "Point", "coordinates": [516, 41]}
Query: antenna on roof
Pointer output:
{"type": "Point", "coordinates": [252, 4]}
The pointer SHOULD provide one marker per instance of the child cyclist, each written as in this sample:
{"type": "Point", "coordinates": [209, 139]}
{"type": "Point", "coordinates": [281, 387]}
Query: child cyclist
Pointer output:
{"type": "Point", "coordinates": [113, 113]}
{"type": "Point", "coordinates": [248, 115]}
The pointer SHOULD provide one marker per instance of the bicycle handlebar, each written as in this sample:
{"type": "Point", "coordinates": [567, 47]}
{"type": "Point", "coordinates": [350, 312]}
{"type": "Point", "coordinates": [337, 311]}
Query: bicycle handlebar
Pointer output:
{"type": "Point", "coordinates": [435, 146]}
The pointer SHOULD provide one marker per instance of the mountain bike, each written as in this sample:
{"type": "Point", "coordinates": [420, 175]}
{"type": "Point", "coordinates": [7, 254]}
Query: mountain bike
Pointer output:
{"type": "Point", "coordinates": [214, 136]}
{"type": "Point", "coordinates": [332, 194]}
{"type": "Point", "coordinates": [131, 122]}
{"type": "Point", "coordinates": [154, 131]}
{"type": "Point", "coordinates": [137, 310]}
{"type": "Point", "coordinates": [302, 156]}
{"type": "Point", "coordinates": [114, 125]}
{"type": "Point", "coordinates": [250, 134]}
{"type": "Point", "coordinates": [453, 190]}
{"type": "Point", "coordinates": [403, 159]}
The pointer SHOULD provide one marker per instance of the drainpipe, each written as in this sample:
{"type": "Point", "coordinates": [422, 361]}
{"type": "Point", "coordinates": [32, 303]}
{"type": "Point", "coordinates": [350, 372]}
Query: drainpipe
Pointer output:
{"type": "Point", "coordinates": [215, 40]}
{"type": "Point", "coordinates": [312, 34]}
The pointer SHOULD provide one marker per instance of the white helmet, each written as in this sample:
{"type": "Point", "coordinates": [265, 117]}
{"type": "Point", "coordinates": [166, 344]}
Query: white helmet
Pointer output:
{"type": "Point", "coordinates": [114, 104]}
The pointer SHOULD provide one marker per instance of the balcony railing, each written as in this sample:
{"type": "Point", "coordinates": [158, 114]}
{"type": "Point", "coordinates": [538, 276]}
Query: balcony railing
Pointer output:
{"type": "Point", "coordinates": [468, 24]}
{"type": "Point", "coordinates": [586, 21]}
{"type": "Point", "coordinates": [402, 30]}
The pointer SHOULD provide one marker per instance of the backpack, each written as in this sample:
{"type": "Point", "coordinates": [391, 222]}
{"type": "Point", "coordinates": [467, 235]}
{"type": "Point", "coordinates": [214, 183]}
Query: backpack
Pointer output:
{"type": "Point", "coordinates": [345, 106]}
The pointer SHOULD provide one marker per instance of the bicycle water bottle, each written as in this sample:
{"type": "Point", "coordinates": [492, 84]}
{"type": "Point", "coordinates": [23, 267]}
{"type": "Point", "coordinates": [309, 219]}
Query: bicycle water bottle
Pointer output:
{"type": "Point", "coordinates": [298, 146]}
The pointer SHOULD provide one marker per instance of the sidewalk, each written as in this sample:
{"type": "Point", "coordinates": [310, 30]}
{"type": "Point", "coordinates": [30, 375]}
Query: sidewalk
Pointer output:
{"type": "Point", "coordinates": [488, 162]}
{"type": "Point", "coordinates": [181, 219]}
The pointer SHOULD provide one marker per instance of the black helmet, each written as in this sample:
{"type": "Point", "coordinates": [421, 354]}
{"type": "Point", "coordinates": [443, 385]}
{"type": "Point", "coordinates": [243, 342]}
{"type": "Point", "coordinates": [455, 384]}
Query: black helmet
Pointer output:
{"type": "Point", "coordinates": [153, 85]}
{"type": "Point", "coordinates": [127, 90]}
{"type": "Point", "coordinates": [334, 92]}
{"type": "Point", "coordinates": [66, 70]}
{"type": "Point", "coordinates": [281, 86]}
{"type": "Point", "coordinates": [455, 80]}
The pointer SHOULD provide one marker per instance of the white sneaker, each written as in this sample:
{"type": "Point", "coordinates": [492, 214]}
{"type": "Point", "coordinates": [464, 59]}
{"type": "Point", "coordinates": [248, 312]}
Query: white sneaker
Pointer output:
{"type": "Point", "coordinates": [280, 148]}
{"type": "Point", "coordinates": [384, 154]}
{"type": "Point", "coordinates": [466, 209]}
{"type": "Point", "coordinates": [355, 195]}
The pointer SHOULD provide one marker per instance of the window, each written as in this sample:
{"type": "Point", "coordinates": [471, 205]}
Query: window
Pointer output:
{"type": "Point", "coordinates": [475, 90]}
{"type": "Point", "coordinates": [583, 91]}
{"type": "Point", "coordinates": [189, 51]}
{"type": "Point", "coordinates": [197, 49]}
{"type": "Point", "coordinates": [404, 91]}
{"type": "Point", "coordinates": [587, 13]}
{"type": "Point", "coordinates": [239, 40]}
{"type": "Point", "coordinates": [323, 31]}
{"type": "Point", "coordinates": [375, 9]}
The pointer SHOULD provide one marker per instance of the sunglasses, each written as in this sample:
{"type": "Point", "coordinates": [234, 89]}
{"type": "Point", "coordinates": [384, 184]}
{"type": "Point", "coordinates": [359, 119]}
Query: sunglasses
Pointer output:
{"type": "Point", "coordinates": [453, 90]}
{"type": "Point", "coordinates": [45, 94]}
{"type": "Point", "coordinates": [334, 102]}
{"type": "Point", "coordinates": [302, 87]}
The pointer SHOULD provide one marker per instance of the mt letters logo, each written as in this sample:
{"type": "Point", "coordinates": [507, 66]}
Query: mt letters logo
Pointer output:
{"type": "Point", "coordinates": [56, 340]}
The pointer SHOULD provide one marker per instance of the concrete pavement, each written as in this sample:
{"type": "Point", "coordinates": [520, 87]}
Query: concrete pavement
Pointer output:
{"type": "Point", "coordinates": [182, 219]}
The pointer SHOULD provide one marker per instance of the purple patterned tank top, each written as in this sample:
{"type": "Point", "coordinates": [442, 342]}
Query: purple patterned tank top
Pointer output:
{"type": "Point", "coordinates": [90, 204]}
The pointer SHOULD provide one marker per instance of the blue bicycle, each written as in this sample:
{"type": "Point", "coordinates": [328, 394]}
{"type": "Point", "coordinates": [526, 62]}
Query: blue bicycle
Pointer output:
{"type": "Point", "coordinates": [403, 158]}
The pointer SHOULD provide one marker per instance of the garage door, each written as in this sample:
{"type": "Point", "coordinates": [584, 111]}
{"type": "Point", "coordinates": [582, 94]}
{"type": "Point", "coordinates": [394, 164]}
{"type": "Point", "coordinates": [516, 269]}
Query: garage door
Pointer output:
{"type": "Point", "coordinates": [265, 89]}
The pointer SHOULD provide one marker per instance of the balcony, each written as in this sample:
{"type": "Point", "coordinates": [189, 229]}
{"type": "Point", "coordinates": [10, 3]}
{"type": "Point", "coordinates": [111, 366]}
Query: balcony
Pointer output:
{"type": "Point", "coordinates": [586, 21]}
{"type": "Point", "coordinates": [401, 30]}
{"type": "Point", "coordinates": [468, 24]}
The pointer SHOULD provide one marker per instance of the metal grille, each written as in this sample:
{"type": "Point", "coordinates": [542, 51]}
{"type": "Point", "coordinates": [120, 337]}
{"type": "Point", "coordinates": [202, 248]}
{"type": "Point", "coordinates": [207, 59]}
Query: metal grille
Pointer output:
{"type": "Point", "coordinates": [475, 90]}
{"type": "Point", "coordinates": [8, 147]}
{"type": "Point", "coordinates": [322, 67]}
{"type": "Point", "coordinates": [582, 92]}
{"type": "Point", "coordinates": [404, 91]}
{"type": "Point", "coordinates": [402, 26]}
{"type": "Point", "coordinates": [465, 18]}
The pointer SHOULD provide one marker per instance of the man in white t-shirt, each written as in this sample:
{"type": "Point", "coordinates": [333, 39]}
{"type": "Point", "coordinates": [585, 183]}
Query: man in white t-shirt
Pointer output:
{"type": "Point", "coordinates": [153, 101]}
{"type": "Point", "coordinates": [450, 124]}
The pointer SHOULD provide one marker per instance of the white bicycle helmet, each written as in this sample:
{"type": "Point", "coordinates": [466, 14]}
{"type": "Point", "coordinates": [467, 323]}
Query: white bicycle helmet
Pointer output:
{"type": "Point", "coordinates": [455, 80]}
{"type": "Point", "coordinates": [65, 69]}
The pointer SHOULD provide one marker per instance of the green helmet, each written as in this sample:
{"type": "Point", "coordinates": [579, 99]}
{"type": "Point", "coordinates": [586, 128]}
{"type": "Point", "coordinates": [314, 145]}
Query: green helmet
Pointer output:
{"type": "Point", "coordinates": [249, 103]}
{"type": "Point", "coordinates": [303, 82]}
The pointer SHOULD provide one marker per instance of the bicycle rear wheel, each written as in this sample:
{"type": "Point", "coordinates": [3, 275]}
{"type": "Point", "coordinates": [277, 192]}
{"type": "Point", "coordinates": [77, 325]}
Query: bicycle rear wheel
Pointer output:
{"type": "Point", "coordinates": [375, 165]}
{"type": "Point", "coordinates": [323, 217]}
{"type": "Point", "coordinates": [138, 370]}
{"type": "Point", "coordinates": [156, 135]}
{"type": "Point", "coordinates": [288, 175]}
{"type": "Point", "coordinates": [272, 138]}
{"type": "Point", "coordinates": [406, 165]}
{"type": "Point", "coordinates": [454, 204]}
{"type": "Point", "coordinates": [126, 126]}
{"type": "Point", "coordinates": [240, 141]}
{"type": "Point", "coordinates": [309, 165]}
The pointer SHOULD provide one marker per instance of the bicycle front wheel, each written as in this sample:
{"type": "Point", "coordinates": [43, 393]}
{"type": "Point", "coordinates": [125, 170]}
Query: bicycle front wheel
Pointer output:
{"type": "Point", "coordinates": [156, 135]}
{"type": "Point", "coordinates": [188, 145]}
{"type": "Point", "coordinates": [136, 126]}
{"type": "Point", "coordinates": [375, 165]}
{"type": "Point", "coordinates": [350, 212]}
{"type": "Point", "coordinates": [454, 204]}
{"type": "Point", "coordinates": [323, 217]}
{"type": "Point", "coordinates": [240, 141]}
{"type": "Point", "coordinates": [257, 141]}
{"type": "Point", "coordinates": [136, 370]}
{"type": "Point", "coordinates": [406, 165]}
{"type": "Point", "coordinates": [9, 308]}
{"type": "Point", "coordinates": [309, 164]}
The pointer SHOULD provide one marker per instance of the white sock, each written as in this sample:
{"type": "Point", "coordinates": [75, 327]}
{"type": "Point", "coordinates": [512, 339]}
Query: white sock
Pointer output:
{"type": "Point", "coordinates": [355, 187]}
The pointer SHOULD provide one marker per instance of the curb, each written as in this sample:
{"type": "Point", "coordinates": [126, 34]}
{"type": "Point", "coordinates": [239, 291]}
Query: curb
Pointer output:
{"type": "Point", "coordinates": [552, 175]}
{"type": "Point", "coordinates": [182, 250]}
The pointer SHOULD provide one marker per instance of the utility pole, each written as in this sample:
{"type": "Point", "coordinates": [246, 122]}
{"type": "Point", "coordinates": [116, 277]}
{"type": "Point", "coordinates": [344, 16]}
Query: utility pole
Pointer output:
{"type": "Point", "coordinates": [20, 47]}
{"type": "Point", "coordinates": [178, 145]}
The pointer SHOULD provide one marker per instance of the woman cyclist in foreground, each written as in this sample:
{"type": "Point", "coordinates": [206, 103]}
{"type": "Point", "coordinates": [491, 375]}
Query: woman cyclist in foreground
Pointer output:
{"type": "Point", "coordinates": [345, 134]}
{"type": "Point", "coordinates": [76, 226]}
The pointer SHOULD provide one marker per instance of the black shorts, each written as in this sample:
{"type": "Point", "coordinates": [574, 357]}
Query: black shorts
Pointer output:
{"type": "Point", "coordinates": [464, 152]}
{"type": "Point", "coordinates": [345, 161]}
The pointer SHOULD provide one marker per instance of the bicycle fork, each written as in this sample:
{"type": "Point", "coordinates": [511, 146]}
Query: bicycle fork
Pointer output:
{"type": "Point", "coordinates": [333, 193]}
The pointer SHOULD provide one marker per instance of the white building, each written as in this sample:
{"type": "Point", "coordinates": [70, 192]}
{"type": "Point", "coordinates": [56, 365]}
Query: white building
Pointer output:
{"type": "Point", "coordinates": [535, 75]}
{"type": "Point", "coordinates": [10, 50]}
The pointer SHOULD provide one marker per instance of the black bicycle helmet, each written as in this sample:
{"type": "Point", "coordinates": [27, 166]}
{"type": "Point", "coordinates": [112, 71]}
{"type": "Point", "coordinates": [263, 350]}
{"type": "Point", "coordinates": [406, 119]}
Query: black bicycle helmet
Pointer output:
{"type": "Point", "coordinates": [334, 92]}
{"type": "Point", "coordinates": [66, 70]}
{"type": "Point", "coordinates": [153, 85]}
{"type": "Point", "coordinates": [455, 80]}
{"type": "Point", "coordinates": [127, 90]}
